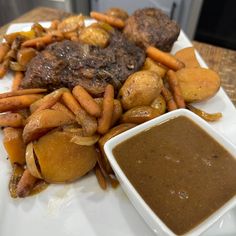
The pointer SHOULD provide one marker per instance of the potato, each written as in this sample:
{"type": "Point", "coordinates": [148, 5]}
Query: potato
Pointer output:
{"type": "Point", "coordinates": [71, 23]}
{"type": "Point", "coordinates": [197, 84]}
{"type": "Point", "coordinates": [43, 121]}
{"type": "Point", "coordinates": [94, 36]}
{"type": "Point", "coordinates": [14, 145]}
{"type": "Point", "coordinates": [151, 65]}
{"type": "Point", "coordinates": [140, 89]}
{"type": "Point", "coordinates": [24, 55]}
{"type": "Point", "coordinates": [118, 13]}
{"type": "Point", "coordinates": [61, 160]}
{"type": "Point", "coordinates": [188, 57]}
{"type": "Point", "coordinates": [159, 103]}
{"type": "Point", "coordinates": [139, 114]}
{"type": "Point", "coordinates": [110, 134]}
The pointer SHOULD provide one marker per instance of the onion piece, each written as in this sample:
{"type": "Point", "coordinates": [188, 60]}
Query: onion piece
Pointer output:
{"type": "Point", "coordinates": [85, 141]}
{"type": "Point", "coordinates": [31, 162]}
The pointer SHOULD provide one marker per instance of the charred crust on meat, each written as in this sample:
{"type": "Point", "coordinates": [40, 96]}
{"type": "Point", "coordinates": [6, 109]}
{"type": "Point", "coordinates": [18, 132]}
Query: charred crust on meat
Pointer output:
{"type": "Point", "coordinates": [68, 63]}
{"type": "Point", "coordinates": [151, 27]}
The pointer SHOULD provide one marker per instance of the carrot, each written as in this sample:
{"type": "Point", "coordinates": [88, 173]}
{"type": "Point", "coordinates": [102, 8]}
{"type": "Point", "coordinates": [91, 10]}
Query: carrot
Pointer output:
{"type": "Point", "coordinates": [4, 68]}
{"type": "Point", "coordinates": [164, 58]}
{"type": "Point", "coordinates": [100, 177]}
{"type": "Point", "coordinates": [54, 24]}
{"type": "Point", "coordinates": [86, 101]}
{"type": "Point", "coordinates": [104, 122]}
{"type": "Point", "coordinates": [12, 120]}
{"type": "Point", "coordinates": [111, 20]}
{"type": "Point", "coordinates": [174, 86]}
{"type": "Point", "coordinates": [88, 122]}
{"type": "Point", "coordinates": [4, 48]}
{"type": "Point", "coordinates": [47, 101]}
{"type": "Point", "coordinates": [171, 105]}
{"type": "Point", "coordinates": [17, 102]}
{"type": "Point", "coordinates": [18, 76]}
{"type": "Point", "coordinates": [22, 92]}
{"type": "Point", "coordinates": [46, 39]}
{"type": "Point", "coordinates": [26, 184]}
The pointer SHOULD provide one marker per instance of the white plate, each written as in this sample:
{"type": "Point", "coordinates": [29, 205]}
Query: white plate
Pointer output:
{"type": "Point", "coordinates": [82, 208]}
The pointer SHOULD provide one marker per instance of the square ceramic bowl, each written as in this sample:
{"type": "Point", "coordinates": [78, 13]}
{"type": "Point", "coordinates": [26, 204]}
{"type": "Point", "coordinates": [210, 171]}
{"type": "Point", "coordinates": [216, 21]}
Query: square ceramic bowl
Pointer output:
{"type": "Point", "coordinates": [158, 227]}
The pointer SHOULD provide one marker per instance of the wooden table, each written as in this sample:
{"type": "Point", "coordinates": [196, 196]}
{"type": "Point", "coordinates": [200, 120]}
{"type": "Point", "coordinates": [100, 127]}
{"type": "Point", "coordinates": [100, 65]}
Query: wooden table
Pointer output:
{"type": "Point", "coordinates": [219, 59]}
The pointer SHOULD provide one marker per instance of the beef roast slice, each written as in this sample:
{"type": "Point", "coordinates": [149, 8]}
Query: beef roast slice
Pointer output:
{"type": "Point", "coordinates": [150, 26]}
{"type": "Point", "coordinates": [68, 63]}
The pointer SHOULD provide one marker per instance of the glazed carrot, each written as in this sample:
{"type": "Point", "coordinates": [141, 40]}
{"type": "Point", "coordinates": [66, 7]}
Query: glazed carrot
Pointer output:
{"type": "Point", "coordinates": [50, 100]}
{"type": "Point", "coordinates": [54, 24]}
{"type": "Point", "coordinates": [86, 101]}
{"type": "Point", "coordinates": [174, 86]}
{"type": "Point", "coordinates": [171, 105]}
{"type": "Point", "coordinates": [44, 40]}
{"type": "Point", "coordinates": [104, 122]}
{"type": "Point", "coordinates": [111, 20]}
{"type": "Point", "coordinates": [18, 76]}
{"type": "Point", "coordinates": [4, 68]}
{"type": "Point", "coordinates": [164, 58]}
{"type": "Point", "coordinates": [22, 92]}
{"type": "Point", "coordinates": [88, 122]}
{"type": "Point", "coordinates": [100, 177]}
{"type": "Point", "coordinates": [4, 48]}
{"type": "Point", "coordinates": [18, 102]}
{"type": "Point", "coordinates": [12, 120]}
{"type": "Point", "coordinates": [26, 184]}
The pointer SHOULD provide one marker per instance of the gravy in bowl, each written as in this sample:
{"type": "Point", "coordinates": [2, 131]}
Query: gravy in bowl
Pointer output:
{"type": "Point", "coordinates": [180, 171]}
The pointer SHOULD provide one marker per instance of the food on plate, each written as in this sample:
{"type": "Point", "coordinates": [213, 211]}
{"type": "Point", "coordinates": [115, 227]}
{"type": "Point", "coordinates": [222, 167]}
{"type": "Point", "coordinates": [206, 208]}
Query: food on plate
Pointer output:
{"type": "Point", "coordinates": [68, 63]}
{"type": "Point", "coordinates": [96, 36]}
{"type": "Point", "coordinates": [151, 65]}
{"type": "Point", "coordinates": [164, 58]}
{"type": "Point", "coordinates": [111, 20]}
{"type": "Point", "coordinates": [151, 27]}
{"type": "Point", "coordinates": [139, 114]}
{"type": "Point", "coordinates": [197, 84]}
{"type": "Point", "coordinates": [51, 150]}
{"type": "Point", "coordinates": [41, 122]}
{"type": "Point", "coordinates": [188, 57]}
{"type": "Point", "coordinates": [77, 86]}
{"type": "Point", "coordinates": [159, 104]}
{"type": "Point", "coordinates": [14, 145]}
{"type": "Point", "coordinates": [140, 89]}
{"type": "Point", "coordinates": [175, 88]}
{"type": "Point", "coordinates": [193, 174]}
{"type": "Point", "coordinates": [118, 13]}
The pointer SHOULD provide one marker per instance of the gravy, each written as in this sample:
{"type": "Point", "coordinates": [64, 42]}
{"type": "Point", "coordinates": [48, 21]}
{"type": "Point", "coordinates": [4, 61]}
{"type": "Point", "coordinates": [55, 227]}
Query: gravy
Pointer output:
{"type": "Point", "coordinates": [182, 173]}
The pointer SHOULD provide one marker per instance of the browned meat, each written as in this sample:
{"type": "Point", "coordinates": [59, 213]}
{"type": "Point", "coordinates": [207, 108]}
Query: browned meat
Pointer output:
{"type": "Point", "coordinates": [67, 63]}
{"type": "Point", "coordinates": [150, 26]}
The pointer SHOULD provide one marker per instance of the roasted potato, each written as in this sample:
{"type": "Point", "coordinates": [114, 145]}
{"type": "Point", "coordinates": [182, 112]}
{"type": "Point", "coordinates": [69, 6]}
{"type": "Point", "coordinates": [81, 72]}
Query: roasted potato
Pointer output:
{"type": "Point", "coordinates": [94, 36]}
{"type": "Point", "coordinates": [197, 84]}
{"type": "Point", "coordinates": [24, 56]}
{"type": "Point", "coordinates": [118, 13]}
{"type": "Point", "coordinates": [188, 57]}
{"type": "Point", "coordinates": [61, 160]}
{"type": "Point", "coordinates": [151, 65]}
{"type": "Point", "coordinates": [43, 121]}
{"type": "Point", "coordinates": [71, 23]}
{"type": "Point", "coordinates": [139, 115]}
{"type": "Point", "coordinates": [140, 89]}
{"type": "Point", "coordinates": [14, 145]}
{"type": "Point", "coordinates": [159, 103]}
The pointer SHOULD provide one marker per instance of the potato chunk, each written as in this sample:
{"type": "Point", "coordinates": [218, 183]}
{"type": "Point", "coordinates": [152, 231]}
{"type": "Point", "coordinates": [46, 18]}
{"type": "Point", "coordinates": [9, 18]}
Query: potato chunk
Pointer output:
{"type": "Point", "coordinates": [140, 89]}
{"type": "Point", "coordinates": [14, 145]}
{"type": "Point", "coordinates": [61, 160]}
{"type": "Point", "coordinates": [197, 84]}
